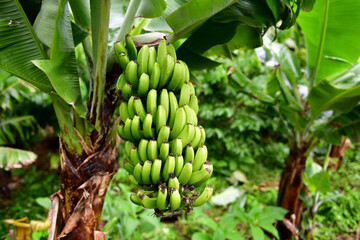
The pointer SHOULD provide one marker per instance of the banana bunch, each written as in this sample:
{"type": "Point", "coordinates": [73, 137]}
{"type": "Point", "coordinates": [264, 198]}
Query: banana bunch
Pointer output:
{"type": "Point", "coordinates": [165, 152]}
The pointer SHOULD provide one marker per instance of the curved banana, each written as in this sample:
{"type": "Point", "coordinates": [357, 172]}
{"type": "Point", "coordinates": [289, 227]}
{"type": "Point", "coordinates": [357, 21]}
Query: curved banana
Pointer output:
{"type": "Point", "coordinates": [162, 202]}
{"type": "Point", "coordinates": [193, 104]}
{"type": "Point", "coordinates": [148, 131]}
{"type": "Point", "coordinates": [164, 101]}
{"type": "Point", "coordinates": [139, 108]}
{"type": "Point", "coordinates": [136, 132]}
{"type": "Point", "coordinates": [169, 167]}
{"type": "Point", "coordinates": [197, 137]}
{"type": "Point", "coordinates": [175, 199]}
{"type": "Point", "coordinates": [190, 115]}
{"type": "Point", "coordinates": [200, 157]}
{"type": "Point", "coordinates": [119, 48]}
{"type": "Point", "coordinates": [134, 156]}
{"type": "Point", "coordinates": [186, 173]}
{"type": "Point", "coordinates": [120, 129]}
{"type": "Point", "coordinates": [152, 60]}
{"type": "Point", "coordinates": [132, 179]}
{"type": "Point", "coordinates": [179, 164]}
{"type": "Point", "coordinates": [176, 146]}
{"type": "Point", "coordinates": [173, 106]}
{"type": "Point", "coordinates": [132, 51]}
{"type": "Point", "coordinates": [203, 197]}
{"type": "Point", "coordinates": [163, 135]}
{"type": "Point", "coordinates": [203, 136]}
{"type": "Point", "coordinates": [145, 172]}
{"type": "Point", "coordinates": [199, 177]}
{"type": "Point", "coordinates": [148, 202]}
{"type": "Point", "coordinates": [151, 102]}
{"type": "Point", "coordinates": [128, 146]}
{"type": "Point", "coordinates": [131, 108]}
{"type": "Point", "coordinates": [128, 166]}
{"type": "Point", "coordinates": [156, 171]}
{"type": "Point", "coordinates": [173, 181]}
{"type": "Point", "coordinates": [123, 59]}
{"type": "Point", "coordinates": [126, 91]}
{"type": "Point", "coordinates": [177, 76]}
{"type": "Point", "coordinates": [208, 165]}
{"type": "Point", "coordinates": [164, 150]}
{"type": "Point", "coordinates": [192, 89]}
{"type": "Point", "coordinates": [161, 54]}
{"type": "Point", "coordinates": [161, 118]}
{"type": "Point", "coordinates": [121, 82]}
{"type": "Point", "coordinates": [127, 130]}
{"type": "Point", "coordinates": [189, 153]}
{"type": "Point", "coordinates": [131, 73]}
{"type": "Point", "coordinates": [155, 76]}
{"type": "Point", "coordinates": [135, 199]}
{"type": "Point", "coordinates": [142, 149]}
{"type": "Point", "coordinates": [144, 84]}
{"type": "Point", "coordinates": [123, 110]}
{"type": "Point", "coordinates": [184, 94]}
{"type": "Point", "coordinates": [143, 60]}
{"type": "Point", "coordinates": [179, 123]}
{"type": "Point", "coordinates": [138, 172]}
{"type": "Point", "coordinates": [152, 150]}
{"type": "Point", "coordinates": [187, 134]}
{"type": "Point", "coordinates": [171, 50]}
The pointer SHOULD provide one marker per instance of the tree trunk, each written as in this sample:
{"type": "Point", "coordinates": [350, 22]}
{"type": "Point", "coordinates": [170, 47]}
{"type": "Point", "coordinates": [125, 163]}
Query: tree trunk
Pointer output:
{"type": "Point", "coordinates": [76, 209]}
{"type": "Point", "coordinates": [290, 185]}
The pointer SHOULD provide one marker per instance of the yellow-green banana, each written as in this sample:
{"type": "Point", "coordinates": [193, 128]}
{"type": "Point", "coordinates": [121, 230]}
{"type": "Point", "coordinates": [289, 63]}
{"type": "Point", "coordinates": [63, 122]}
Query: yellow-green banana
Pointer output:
{"type": "Point", "coordinates": [123, 110]}
{"type": "Point", "coordinates": [164, 150]}
{"type": "Point", "coordinates": [175, 199]}
{"type": "Point", "coordinates": [134, 156]}
{"type": "Point", "coordinates": [136, 132]}
{"type": "Point", "coordinates": [179, 164]}
{"type": "Point", "coordinates": [161, 118]}
{"type": "Point", "coordinates": [193, 104]}
{"type": "Point", "coordinates": [176, 146]}
{"type": "Point", "coordinates": [189, 153]}
{"type": "Point", "coordinates": [184, 94]}
{"type": "Point", "coordinates": [177, 76]}
{"type": "Point", "coordinates": [151, 102]}
{"type": "Point", "coordinates": [145, 172]}
{"type": "Point", "coordinates": [129, 167]}
{"type": "Point", "coordinates": [200, 157]}
{"type": "Point", "coordinates": [127, 130]}
{"type": "Point", "coordinates": [179, 123]}
{"type": "Point", "coordinates": [173, 106]}
{"type": "Point", "coordinates": [144, 84]}
{"type": "Point", "coordinates": [139, 108]}
{"type": "Point", "coordinates": [203, 197]}
{"type": "Point", "coordinates": [162, 202]}
{"type": "Point", "coordinates": [152, 60]}
{"type": "Point", "coordinates": [152, 150]}
{"type": "Point", "coordinates": [186, 173]}
{"type": "Point", "coordinates": [121, 82]}
{"type": "Point", "coordinates": [164, 101]}
{"type": "Point", "coordinates": [156, 171]}
{"type": "Point", "coordinates": [163, 135]}
{"type": "Point", "coordinates": [187, 134]}
{"type": "Point", "coordinates": [169, 167]}
{"type": "Point", "coordinates": [143, 60]}
{"type": "Point", "coordinates": [173, 181]}
{"type": "Point", "coordinates": [199, 177]}
{"type": "Point", "coordinates": [197, 137]}
{"type": "Point", "coordinates": [147, 202]}
{"type": "Point", "coordinates": [190, 115]}
{"type": "Point", "coordinates": [135, 199]}
{"type": "Point", "coordinates": [138, 172]}
{"type": "Point", "coordinates": [148, 131]}
{"type": "Point", "coordinates": [131, 73]}
{"type": "Point", "coordinates": [126, 91]}
{"type": "Point", "coordinates": [142, 149]}
{"type": "Point", "coordinates": [131, 108]}
{"type": "Point", "coordinates": [132, 51]}
{"type": "Point", "coordinates": [155, 76]}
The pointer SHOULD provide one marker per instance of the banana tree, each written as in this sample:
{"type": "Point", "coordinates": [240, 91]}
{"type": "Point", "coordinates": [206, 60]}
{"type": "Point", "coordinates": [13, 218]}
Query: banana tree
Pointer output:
{"type": "Point", "coordinates": [319, 104]}
{"type": "Point", "coordinates": [38, 44]}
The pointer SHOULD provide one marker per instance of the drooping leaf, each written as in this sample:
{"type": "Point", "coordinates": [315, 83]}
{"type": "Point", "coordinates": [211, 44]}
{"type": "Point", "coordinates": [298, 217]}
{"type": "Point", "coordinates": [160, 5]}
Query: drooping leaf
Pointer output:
{"type": "Point", "coordinates": [151, 8]}
{"type": "Point", "coordinates": [11, 158]}
{"type": "Point", "coordinates": [45, 21]}
{"type": "Point", "coordinates": [19, 45]}
{"type": "Point", "coordinates": [196, 61]}
{"type": "Point", "coordinates": [341, 36]}
{"type": "Point", "coordinates": [325, 96]}
{"type": "Point", "coordinates": [193, 14]}
{"type": "Point", "coordinates": [16, 128]}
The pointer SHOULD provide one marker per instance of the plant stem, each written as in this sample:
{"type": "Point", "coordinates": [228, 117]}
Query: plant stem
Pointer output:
{"type": "Point", "coordinates": [97, 105]}
{"type": "Point", "coordinates": [326, 161]}
{"type": "Point", "coordinates": [126, 26]}
{"type": "Point", "coordinates": [321, 46]}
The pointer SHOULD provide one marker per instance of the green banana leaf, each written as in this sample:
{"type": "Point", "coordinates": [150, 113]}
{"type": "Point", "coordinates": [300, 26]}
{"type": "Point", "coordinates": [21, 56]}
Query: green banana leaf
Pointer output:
{"type": "Point", "coordinates": [341, 46]}
{"type": "Point", "coordinates": [151, 8]}
{"type": "Point", "coordinates": [19, 45]}
{"type": "Point", "coordinates": [11, 158]}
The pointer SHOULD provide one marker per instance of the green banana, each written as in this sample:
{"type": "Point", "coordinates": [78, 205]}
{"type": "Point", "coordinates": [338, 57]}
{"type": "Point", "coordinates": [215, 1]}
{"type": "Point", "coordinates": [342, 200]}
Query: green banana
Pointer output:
{"type": "Point", "coordinates": [123, 110]}
{"type": "Point", "coordinates": [143, 60]}
{"type": "Point", "coordinates": [134, 156]}
{"type": "Point", "coordinates": [186, 173]}
{"type": "Point", "coordinates": [191, 88]}
{"type": "Point", "coordinates": [148, 202]}
{"type": "Point", "coordinates": [179, 164]}
{"type": "Point", "coordinates": [161, 118]}
{"type": "Point", "coordinates": [197, 137]}
{"type": "Point", "coordinates": [156, 171]}
{"type": "Point", "coordinates": [128, 167]}
{"type": "Point", "coordinates": [132, 179]}
{"type": "Point", "coordinates": [193, 104]}
{"type": "Point", "coordinates": [173, 106]}
{"type": "Point", "coordinates": [151, 102]}
{"type": "Point", "coordinates": [175, 199]}
{"type": "Point", "coordinates": [148, 131]}
{"type": "Point", "coordinates": [127, 130]}
{"type": "Point", "coordinates": [190, 115]}
{"type": "Point", "coordinates": [128, 146]}
{"type": "Point", "coordinates": [136, 132]}
{"type": "Point", "coordinates": [131, 108]}
{"type": "Point", "coordinates": [145, 172]}
{"type": "Point", "coordinates": [152, 150]}
{"type": "Point", "coordinates": [119, 48]}
{"type": "Point", "coordinates": [171, 50]}
{"type": "Point", "coordinates": [162, 58]}
{"type": "Point", "coordinates": [199, 177]}
{"type": "Point", "coordinates": [189, 153]}
{"type": "Point", "coordinates": [166, 73]}
{"type": "Point", "coordinates": [123, 59]}
{"type": "Point", "coordinates": [203, 197]}
{"type": "Point", "coordinates": [121, 82]}
{"type": "Point", "coordinates": [179, 123]}
{"type": "Point", "coordinates": [203, 136]}
{"type": "Point", "coordinates": [135, 199]}
{"type": "Point", "coordinates": [144, 84]}
{"type": "Point", "coordinates": [187, 134]}
{"type": "Point", "coordinates": [173, 181]}
{"type": "Point", "coordinates": [126, 91]}
{"type": "Point", "coordinates": [142, 149]}
{"type": "Point", "coordinates": [139, 108]}
{"type": "Point", "coordinates": [208, 165]}
{"type": "Point", "coordinates": [132, 51]}
{"type": "Point", "coordinates": [131, 73]}
{"type": "Point", "coordinates": [200, 157]}
{"type": "Point", "coordinates": [120, 129]}
{"type": "Point", "coordinates": [176, 146]}
{"type": "Point", "coordinates": [163, 135]}
{"type": "Point", "coordinates": [138, 172]}
{"type": "Point", "coordinates": [155, 76]}
{"type": "Point", "coordinates": [164, 101]}
{"type": "Point", "coordinates": [164, 150]}
{"type": "Point", "coordinates": [169, 167]}
{"type": "Point", "coordinates": [162, 202]}
{"type": "Point", "coordinates": [184, 94]}
{"type": "Point", "coordinates": [152, 60]}
{"type": "Point", "coordinates": [177, 76]}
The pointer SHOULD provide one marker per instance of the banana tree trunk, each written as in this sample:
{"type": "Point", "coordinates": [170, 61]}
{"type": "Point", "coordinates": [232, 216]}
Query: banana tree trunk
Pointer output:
{"type": "Point", "coordinates": [288, 197]}
{"type": "Point", "coordinates": [76, 209]}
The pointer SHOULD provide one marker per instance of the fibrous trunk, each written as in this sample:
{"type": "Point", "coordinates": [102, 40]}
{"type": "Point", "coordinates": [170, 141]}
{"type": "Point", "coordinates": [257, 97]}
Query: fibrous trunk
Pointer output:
{"type": "Point", "coordinates": [288, 197]}
{"type": "Point", "coordinates": [76, 208]}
